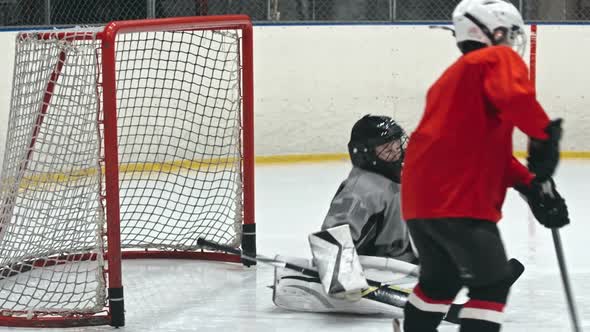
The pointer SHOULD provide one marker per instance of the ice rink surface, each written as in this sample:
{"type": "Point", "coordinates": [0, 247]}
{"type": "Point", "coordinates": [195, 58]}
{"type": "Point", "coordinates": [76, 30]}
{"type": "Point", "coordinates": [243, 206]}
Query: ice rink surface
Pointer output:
{"type": "Point", "coordinates": [291, 201]}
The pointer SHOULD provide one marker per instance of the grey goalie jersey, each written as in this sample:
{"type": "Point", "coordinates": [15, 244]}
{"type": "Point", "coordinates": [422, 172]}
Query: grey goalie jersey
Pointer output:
{"type": "Point", "coordinates": [370, 204]}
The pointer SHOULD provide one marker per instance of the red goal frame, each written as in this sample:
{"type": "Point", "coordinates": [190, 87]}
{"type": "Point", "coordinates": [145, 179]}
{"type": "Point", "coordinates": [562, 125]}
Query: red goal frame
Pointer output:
{"type": "Point", "coordinates": [113, 313]}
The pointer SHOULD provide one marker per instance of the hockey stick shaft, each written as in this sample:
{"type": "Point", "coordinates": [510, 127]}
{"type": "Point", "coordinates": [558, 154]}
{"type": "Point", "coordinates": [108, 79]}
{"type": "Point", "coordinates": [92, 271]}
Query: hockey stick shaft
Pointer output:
{"type": "Point", "coordinates": [566, 282]}
{"type": "Point", "coordinates": [304, 270]}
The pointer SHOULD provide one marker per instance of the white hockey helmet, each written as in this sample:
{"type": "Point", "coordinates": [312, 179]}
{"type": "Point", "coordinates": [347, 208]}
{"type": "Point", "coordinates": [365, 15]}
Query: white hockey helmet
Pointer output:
{"type": "Point", "coordinates": [491, 22]}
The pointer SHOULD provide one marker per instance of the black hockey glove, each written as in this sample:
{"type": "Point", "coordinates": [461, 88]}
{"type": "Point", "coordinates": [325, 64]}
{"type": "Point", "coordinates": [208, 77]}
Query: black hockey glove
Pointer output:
{"type": "Point", "coordinates": [547, 205]}
{"type": "Point", "coordinates": [544, 154]}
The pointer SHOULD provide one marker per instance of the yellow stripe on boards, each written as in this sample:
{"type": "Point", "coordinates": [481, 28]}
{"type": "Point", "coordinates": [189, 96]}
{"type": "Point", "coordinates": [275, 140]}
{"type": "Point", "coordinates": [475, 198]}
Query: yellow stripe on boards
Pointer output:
{"type": "Point", "coordinates": [216, 164]}
{"type": "Point", "coordinates": [301, 158]}
{"type": "Point", "coordinates": [563, 154]}
{"type": "Point", "coordinates": [325, 157]}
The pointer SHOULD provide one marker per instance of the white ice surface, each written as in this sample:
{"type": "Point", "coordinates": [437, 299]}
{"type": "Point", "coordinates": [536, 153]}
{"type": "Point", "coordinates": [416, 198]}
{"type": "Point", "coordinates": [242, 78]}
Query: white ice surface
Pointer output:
{"type": "Point", "coordinates": [291, 201]}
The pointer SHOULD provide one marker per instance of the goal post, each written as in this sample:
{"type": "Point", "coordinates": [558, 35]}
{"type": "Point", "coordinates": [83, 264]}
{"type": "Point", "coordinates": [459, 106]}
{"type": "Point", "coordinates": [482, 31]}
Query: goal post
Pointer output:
{"type": "Point", "coordinates": [125, 141]}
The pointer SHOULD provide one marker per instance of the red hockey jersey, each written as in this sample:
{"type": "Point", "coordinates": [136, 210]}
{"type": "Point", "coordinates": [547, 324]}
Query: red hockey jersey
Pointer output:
{"type": "Point", "coordinates": [459, 161]}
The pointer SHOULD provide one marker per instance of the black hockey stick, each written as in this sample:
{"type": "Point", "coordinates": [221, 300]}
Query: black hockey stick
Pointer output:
{"type": "Point", "coordinates": [566, 282]}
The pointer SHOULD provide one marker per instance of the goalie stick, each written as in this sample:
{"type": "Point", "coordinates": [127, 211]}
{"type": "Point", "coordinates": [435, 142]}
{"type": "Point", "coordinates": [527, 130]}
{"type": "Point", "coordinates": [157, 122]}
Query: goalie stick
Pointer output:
{"type": "Point", "coordinates": [389, 294]}
{"type": "Point", "coordinates": [271, 261]}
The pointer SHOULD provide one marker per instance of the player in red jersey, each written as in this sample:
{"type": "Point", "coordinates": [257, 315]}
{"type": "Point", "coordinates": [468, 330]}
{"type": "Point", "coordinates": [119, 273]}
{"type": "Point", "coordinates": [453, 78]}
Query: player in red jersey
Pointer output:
{"type": "Point", "coordinates": [459, 164]}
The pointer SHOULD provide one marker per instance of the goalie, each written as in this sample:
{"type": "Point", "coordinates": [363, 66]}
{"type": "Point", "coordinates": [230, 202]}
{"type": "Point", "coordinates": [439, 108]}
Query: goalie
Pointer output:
{"type": "Point", "coordinates": [365, 216]}
{"type": "Point", "coordinates": [369, 199]}
{"type": "Point", "coordinates": [367, 202]}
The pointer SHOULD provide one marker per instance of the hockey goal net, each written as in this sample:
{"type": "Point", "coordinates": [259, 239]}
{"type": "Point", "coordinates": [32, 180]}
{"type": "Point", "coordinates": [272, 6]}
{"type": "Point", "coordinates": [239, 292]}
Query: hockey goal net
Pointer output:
{"type": "Point", "coordinates": [130, 140]}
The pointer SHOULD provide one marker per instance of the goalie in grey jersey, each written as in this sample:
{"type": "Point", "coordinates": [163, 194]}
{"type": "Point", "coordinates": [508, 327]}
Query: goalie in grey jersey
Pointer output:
{"type": "Point", "coordinates": [369, 199]}
{"type": "Point", "coordinates": [368, 202]}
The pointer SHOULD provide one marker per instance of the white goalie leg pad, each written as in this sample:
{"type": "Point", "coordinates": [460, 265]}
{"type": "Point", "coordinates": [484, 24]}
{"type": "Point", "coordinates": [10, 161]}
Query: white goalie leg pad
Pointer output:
{"type": "Point", "coordinates": [298, 292]}
{"type": "Point", "coordinates": [339, 267]}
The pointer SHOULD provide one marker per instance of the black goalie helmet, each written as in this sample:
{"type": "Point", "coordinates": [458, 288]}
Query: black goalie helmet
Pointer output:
{"type": "Point", "coordinates": [377, 144]}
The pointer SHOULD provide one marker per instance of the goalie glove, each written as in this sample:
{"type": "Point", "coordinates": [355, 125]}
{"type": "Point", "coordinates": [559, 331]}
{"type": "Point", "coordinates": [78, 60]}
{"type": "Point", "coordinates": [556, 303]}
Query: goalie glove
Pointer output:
{"type": "Point", "coordinates": [544, 154]}
{"type": "Point", "coordinates": [546, 204]}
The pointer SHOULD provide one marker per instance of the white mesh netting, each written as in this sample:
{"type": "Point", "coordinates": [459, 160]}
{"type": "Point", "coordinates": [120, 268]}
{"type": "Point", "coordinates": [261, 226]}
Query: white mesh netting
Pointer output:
{"type": "Point", "coordinates": [179, 129]}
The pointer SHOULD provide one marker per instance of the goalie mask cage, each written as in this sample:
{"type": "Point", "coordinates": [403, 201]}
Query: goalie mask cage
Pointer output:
{"type": "Point", "coordinates": [127, 141]}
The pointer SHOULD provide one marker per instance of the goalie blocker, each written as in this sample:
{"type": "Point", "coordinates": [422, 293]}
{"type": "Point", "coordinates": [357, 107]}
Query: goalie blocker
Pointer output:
{"type": "Point", "coordinates": [338, 263]}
